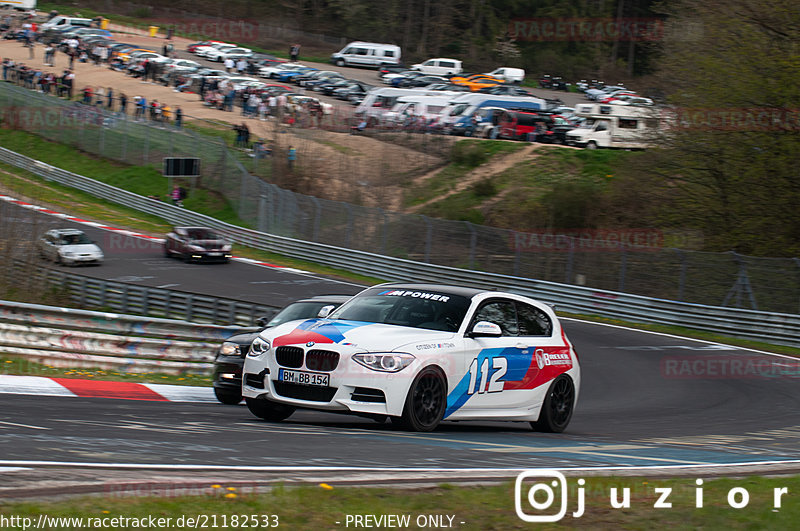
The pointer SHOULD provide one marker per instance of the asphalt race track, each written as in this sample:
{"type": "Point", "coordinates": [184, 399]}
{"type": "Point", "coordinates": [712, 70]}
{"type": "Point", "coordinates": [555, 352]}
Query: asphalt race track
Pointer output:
{"type": "Point", "coordinates": [646, 400]}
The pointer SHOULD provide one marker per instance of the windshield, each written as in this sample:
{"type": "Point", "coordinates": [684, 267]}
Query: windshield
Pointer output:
{"type": "Point", "coordinates": [299, 310]}
{"type": "Point", "coordinates": [587, 124]}
{"type": "Point", "coordinates": [75, 239]}
{"type": "Point", "coordinates": [458, 109]}
{"type": "Point", "coordinates": [418, 309]}
{"type": "Point", "coordinates": [203, 234]}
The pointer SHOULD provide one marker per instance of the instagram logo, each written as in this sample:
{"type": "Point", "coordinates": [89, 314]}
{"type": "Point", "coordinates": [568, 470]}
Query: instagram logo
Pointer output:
{"type": "Point", "coordinates": [535, 494]}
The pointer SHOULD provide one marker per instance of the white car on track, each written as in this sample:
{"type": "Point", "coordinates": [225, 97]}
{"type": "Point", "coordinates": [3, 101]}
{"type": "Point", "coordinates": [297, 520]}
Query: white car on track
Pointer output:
{"type": "Point", "coordinates": [419, 354]}
{"type": "Point", "coordinates": [69, 247]}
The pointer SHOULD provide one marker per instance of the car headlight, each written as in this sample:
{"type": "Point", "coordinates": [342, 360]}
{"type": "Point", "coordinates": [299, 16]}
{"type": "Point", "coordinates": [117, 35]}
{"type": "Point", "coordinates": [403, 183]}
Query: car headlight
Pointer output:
{"type": "Point", "coordinates": [384, 361]}
{"type": "Point", "coordinates": [229, 348]}
{"type": "Point", "coordinates": [258, 347]}
{"type": "Point", "coordinates": [67, 253]}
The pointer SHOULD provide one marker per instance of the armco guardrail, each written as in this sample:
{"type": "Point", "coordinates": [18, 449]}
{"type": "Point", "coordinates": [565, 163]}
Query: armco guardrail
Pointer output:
{"type": "Point", "coordinates": [777, 328]}
{"type": "Point", "coordinates": [142, 300]}
{"type": "Point", "coordinates": [80, 338]}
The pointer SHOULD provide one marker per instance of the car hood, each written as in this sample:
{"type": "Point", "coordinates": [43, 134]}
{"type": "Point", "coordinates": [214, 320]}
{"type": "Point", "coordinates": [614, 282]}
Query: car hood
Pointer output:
{"type": "Point", "coordinates": [371, 337]}
{"type": "Point", "coordinates": [84, 248]}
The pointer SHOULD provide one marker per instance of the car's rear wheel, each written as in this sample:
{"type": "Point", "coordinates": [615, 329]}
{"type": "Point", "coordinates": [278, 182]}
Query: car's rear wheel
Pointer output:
{"type": "Point", "coordinates": [557, 407]}
{"type": "Point", "coordinates": [426, 401]}
{"type": "Point", "coordinates": [267, 410]}
{"type": "Point", "coordinates": [230, 398]}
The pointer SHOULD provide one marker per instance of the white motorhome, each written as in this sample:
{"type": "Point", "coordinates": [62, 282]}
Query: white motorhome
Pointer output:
{"type": "Point", "coordinates": [415, 107]}
{"type": "Point", "coordinates": [615, 126]}
{"type": "Point", "coordinates": [380, 100]}
{"type": "Point", "coordinates": [367, 54]}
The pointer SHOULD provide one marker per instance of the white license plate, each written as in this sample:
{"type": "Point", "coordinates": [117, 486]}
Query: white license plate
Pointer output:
{"type": "Point", "coordinates": [304, 377]}
{"type": "Point", "coordinates": [214, 254]}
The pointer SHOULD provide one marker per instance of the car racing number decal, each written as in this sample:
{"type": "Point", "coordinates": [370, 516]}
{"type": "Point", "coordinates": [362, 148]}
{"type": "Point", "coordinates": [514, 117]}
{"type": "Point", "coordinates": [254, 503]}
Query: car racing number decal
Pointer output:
{"type": "Point", "coordinates": [504, 369]}
{"type": "Point", "coordinates": [499, 368]}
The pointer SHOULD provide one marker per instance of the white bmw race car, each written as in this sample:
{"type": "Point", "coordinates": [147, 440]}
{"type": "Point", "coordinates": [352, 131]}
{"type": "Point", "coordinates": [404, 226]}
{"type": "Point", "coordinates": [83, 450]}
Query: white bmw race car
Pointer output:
{"type": "Point", "coordinates": [420, 354]}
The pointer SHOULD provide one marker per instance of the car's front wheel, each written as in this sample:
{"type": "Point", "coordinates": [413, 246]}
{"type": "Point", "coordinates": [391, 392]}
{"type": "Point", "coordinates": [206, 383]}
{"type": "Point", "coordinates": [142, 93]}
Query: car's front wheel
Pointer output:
{"type": "Point", "coordinates": [267, 410]}
{"type": "Point", "coordinates": [557, 407]}
{"type": "Point", "coordinates": [426, 401]}
{"type": "Point", "coordinates": [230, 398]}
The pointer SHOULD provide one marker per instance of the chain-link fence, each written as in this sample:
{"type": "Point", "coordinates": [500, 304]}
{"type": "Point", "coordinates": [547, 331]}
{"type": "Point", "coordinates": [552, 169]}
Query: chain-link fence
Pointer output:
{"type": "Point", "coordinates": [727, 279]}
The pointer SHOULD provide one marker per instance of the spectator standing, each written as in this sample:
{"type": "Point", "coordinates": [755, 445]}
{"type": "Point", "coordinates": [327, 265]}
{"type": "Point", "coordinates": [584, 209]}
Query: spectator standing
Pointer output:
{"type": "Point", "coordinates": [123, 103]}
{"type": "Point", "coordinates": [109, 98]}
{"type": "Point", "coordinates": [178, 117]}
{"type": "Point", "coordinates": [176, 195]}
{"type": "Point", "coordinates": [229, 64]}
{"type": "Point", "coordinates": [49, 52]}
{"type": "Point", "coordinates": [69, 82]}
{"type": "Point", "coordinates": [241, 66]}
{"type": "Point", "coordinates": [291, 157]}
{"type": "Point", "coordinates": [99, 95]}
{"type": "Point", "coordinates": [294, 52]}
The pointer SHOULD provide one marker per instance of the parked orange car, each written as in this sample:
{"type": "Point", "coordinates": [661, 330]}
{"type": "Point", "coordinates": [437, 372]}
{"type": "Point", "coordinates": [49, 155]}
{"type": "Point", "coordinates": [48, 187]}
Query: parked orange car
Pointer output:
{"type": "Point", "coordinates": [476, 82]}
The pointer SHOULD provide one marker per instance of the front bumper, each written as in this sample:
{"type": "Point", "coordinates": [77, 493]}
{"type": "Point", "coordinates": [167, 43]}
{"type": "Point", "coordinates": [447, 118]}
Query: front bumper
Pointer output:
{"type": "Point", "coordinates": [351, 387]}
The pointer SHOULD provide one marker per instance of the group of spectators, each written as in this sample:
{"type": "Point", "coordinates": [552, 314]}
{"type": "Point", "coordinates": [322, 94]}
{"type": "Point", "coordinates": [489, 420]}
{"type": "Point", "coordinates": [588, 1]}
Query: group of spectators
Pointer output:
{"type": "Point", "coordinates": [38, 79]}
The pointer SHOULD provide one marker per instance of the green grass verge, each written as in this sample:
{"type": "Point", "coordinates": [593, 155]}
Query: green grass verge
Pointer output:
{"type": "Point", "coordinates": [327, 506]}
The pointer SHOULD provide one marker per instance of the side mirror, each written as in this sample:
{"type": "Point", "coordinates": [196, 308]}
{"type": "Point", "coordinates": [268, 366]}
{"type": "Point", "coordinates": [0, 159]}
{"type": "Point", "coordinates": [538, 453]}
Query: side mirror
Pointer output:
{"type": "Point", "coordinates": [485, 329]}
{"type": "Point", "coordinates": [325, 311]}
{"type": "Point", "coordinates": [262, 321]}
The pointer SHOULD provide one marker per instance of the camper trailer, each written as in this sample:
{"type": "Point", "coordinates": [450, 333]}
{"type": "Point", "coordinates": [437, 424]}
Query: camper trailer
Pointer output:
{"type": "Point", "coordinates": [615, 126]}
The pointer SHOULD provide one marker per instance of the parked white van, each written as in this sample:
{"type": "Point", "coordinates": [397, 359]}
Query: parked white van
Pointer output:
{"type": "Point", "coordinates": [62, 22]}
{"type": "Point", "coordinates": [439, 66]}
{"type": "Point", "coordinates": [616, 126]}
{"type": "Point", "coordinates": [367, 54]}
{"type": "Point", "coordinates": [508, 74]}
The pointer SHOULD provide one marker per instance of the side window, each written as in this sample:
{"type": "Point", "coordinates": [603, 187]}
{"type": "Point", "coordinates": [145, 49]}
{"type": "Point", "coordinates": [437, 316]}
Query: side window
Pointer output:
{"type": "Point", "coordinates": [349, 51]}
{"type": "Point", "coordinates": [628, 124]}
{"type": "Point", "coordinates": [447, 64]}
{"type": "Point", "coordinates": [533, 321]}
{"type": "Point", "coordinates": [430, 62]}
{"type": "Point", "coordinates": [362, 51]}
{"type": "Point", "coordinates": [601, 126]}
{"type": "Point", "coordinates": [388, 53]}
{"type": "Point", "coordinates": [501, 313]}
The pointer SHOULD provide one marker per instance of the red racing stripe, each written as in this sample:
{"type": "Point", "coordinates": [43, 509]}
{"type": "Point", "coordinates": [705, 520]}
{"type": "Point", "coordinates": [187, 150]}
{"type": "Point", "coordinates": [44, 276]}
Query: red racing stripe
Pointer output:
{"type": "Point", "coordinates": [100, 389]}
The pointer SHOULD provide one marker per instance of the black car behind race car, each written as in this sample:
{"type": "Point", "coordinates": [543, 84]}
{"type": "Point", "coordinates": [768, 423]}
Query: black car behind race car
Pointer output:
{"type": "Point", "coordinates": [230, 357]}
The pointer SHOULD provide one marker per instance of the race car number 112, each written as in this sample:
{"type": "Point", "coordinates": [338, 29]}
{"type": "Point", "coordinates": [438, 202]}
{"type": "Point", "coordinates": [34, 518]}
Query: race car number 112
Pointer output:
{"type": "Point", "coordinates": [487, 384]}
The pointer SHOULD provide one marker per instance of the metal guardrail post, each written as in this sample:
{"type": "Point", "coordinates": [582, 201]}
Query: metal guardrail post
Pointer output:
{"type": "Point", "coordinates": [428, 238]}
{"type": "Point", "coordinates": [570, 261]}
{"type": "Point", "coordinates": [473, 242]}
{"type": "Point", "coordinates": [683, 272]}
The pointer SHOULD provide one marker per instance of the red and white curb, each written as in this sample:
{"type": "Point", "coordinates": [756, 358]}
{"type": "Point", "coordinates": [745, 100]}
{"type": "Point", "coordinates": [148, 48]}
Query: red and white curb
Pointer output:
{"type": "Point", "coordinates": [82, 388]}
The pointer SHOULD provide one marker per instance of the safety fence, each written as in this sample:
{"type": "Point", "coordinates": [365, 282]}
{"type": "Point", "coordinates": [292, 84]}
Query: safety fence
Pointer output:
{"type": "Point", "coordinates": [61, 337]}
{"type": "Point", "coordinates": [706, 278]}
{"type": "Point", "coordinates": [88, 292]}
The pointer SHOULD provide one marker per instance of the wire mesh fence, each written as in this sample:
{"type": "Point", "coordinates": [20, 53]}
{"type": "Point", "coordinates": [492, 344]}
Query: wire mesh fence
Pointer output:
{"type": "Point", "coordinates": [715, 279]}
